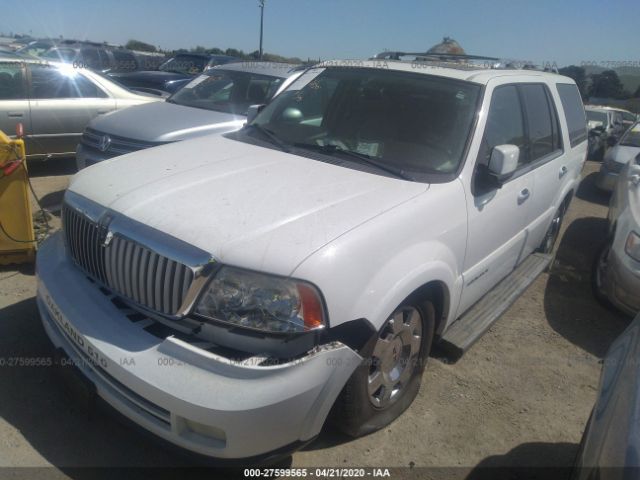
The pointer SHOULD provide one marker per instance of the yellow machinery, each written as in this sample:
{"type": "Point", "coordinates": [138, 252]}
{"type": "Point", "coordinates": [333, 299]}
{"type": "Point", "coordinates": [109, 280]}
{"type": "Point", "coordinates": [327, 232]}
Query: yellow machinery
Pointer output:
{"type": "Point", "coordinates": [17, 241]}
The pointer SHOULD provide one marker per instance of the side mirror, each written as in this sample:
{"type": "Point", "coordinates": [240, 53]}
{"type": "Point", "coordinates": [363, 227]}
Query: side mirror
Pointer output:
{"type": "Point", "coordinates": [503, 162]}
{"type": "Point", "coordinates": [253, 112]}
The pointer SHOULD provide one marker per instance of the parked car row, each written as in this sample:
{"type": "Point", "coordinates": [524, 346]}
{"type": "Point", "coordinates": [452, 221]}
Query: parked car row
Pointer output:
{"type": "Point", "coordinates": [302, 268]}
{"type": "Point", "coordinates": [55, 102]}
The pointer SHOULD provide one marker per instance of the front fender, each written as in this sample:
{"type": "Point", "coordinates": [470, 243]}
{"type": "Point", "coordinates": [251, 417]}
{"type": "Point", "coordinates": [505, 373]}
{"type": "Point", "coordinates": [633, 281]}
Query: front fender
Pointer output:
{"type": "Point", "coordinates": [369, 271]}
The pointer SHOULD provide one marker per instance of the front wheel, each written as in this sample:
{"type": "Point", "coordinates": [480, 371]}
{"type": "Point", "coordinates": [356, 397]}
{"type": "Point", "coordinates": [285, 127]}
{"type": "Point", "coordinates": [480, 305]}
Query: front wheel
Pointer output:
{"type": "Point", "coordinates": [386, 383]}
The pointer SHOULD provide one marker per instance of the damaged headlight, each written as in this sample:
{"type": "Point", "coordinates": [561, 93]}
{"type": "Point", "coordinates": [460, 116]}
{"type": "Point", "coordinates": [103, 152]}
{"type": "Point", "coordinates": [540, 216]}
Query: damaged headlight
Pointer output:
{"type": "Point", "coordinates": [263, 302]}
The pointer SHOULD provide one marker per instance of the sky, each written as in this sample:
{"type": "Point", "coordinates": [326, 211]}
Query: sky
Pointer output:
{"type": "Point", "coordinates": [542, 31]}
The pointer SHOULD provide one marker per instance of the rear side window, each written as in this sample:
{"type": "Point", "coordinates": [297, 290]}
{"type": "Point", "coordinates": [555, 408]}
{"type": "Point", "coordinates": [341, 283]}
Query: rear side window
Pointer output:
{"type": "Point", "coordinates": [52, 83]}
{"type": "Point", "coordinates": [543, 134]}
{"type": "Point", "coordinates": [574, 112]}
{"type": "Point", "coordinates": [125, 61]}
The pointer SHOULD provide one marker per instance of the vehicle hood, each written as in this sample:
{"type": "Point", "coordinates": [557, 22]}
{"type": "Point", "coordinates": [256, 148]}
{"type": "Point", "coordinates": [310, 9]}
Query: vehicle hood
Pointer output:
{"type": "Point", "coordinates": [148, 77]}
{"type": "Point", "coordinates": [166, 122]}
{"type": "Point", "coordinates": [622, 154]}
{"type": "Point", "coordinates": [248, 206]}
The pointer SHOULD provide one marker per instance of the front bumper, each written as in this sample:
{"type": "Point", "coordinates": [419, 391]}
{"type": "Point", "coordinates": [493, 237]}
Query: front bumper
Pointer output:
{"type": "Point", "coordinates": [85, 156]}
{"type": "Point", "coordinates": [191, 397]}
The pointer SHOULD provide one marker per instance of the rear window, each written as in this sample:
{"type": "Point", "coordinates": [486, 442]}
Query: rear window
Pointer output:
{"type": "Point", "coordinates": [574, 112]}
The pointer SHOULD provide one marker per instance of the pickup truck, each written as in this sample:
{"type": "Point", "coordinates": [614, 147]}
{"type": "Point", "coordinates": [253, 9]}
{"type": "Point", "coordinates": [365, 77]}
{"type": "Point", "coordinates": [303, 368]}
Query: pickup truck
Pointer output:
{"type": "Point", "coordinates": [231, 293]}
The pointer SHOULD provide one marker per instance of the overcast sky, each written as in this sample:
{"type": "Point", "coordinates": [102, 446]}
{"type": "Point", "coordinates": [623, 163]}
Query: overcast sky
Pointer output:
{"type": "Point", "coordinates": [564, 32]}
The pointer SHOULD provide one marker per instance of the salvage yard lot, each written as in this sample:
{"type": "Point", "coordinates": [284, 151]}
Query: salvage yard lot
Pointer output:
{"type": "Point", "coordinates": [520, 397]}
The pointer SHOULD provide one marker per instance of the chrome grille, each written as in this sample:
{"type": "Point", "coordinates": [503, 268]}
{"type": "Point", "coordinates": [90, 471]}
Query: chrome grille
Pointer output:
{"type": "Point", "coordinates": [126, 267]}
{"type": "Point", "coordinates": [117, 146]}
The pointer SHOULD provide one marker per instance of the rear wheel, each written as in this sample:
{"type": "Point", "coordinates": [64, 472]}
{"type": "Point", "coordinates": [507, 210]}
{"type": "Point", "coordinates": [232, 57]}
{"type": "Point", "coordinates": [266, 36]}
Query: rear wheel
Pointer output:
{"type": "Point", "coordinates": [386, 383]}
{"type": "Point", "coordinates": [548, 245]}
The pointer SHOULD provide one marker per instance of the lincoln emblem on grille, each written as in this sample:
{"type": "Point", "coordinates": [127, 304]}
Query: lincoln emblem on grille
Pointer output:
{"type": "Point", "coordinates": [104, 144]}
{"type": "Point", "coordinates": [105, 235]}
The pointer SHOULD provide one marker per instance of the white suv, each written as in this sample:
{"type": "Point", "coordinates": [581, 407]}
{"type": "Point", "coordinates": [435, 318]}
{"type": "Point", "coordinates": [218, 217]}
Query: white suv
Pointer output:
{"type": "Point", "coordinates": [228, 292]}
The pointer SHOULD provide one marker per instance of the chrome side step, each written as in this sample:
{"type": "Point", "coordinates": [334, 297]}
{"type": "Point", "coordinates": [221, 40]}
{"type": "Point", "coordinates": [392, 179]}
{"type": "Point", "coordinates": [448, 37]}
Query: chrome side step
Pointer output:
{"type": "Point", "coordinates": [464, 332]}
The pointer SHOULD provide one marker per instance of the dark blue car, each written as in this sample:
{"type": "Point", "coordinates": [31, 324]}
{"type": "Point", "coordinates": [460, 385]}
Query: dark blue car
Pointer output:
{"type": "Point", "coordinates": [172, 74]}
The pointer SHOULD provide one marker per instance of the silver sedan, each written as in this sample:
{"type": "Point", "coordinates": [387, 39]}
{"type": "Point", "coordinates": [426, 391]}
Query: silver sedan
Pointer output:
{"type": "Point", "coordinates": [616, 272]}
{"type": "Point", "coordinates": [55, 102]}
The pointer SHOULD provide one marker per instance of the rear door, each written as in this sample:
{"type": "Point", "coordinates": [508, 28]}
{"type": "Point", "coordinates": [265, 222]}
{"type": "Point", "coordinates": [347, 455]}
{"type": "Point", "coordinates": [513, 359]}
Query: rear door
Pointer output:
{"type": "Point", "coordinates": [546, 159]}
{"type": "Point", "coordinates": [14, 104]}
{"type": "Point", "coordinates": [62, 102]}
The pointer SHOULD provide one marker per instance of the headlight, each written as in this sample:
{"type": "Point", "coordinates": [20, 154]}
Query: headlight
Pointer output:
{"type": "Point", "coordinates": [263, 302]}
{"type": "Point", "coordinates": [632, 247]}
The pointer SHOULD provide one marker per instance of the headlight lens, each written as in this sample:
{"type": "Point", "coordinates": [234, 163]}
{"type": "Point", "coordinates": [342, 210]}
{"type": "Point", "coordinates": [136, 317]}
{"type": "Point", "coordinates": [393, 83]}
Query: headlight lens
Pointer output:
{"type": "Point", "coordinates": [632, 247]}
{"type": "Point", "coordinates": [263, 302]}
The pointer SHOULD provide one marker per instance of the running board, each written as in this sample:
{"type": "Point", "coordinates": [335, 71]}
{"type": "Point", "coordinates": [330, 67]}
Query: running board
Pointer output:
{"type": "Point", "coordinates": [464, 332]}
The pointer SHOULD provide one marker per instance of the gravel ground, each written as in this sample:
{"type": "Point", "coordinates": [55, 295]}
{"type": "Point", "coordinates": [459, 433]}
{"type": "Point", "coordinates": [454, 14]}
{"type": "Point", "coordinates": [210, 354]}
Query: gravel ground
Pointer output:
{"type": "Point", "coordinates": [521, 396]}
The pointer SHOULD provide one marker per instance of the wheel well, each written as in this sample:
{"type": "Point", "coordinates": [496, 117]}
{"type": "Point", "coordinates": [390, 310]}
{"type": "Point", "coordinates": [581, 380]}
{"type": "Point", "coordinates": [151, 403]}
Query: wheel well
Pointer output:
{"type": "Point", "coordinates": [438, 293]}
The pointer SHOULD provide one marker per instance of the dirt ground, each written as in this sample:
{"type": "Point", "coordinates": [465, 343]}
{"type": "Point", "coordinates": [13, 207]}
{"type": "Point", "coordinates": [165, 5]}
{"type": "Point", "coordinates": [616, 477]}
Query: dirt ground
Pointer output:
{"type": "Point", "coordinates": [521, 396]}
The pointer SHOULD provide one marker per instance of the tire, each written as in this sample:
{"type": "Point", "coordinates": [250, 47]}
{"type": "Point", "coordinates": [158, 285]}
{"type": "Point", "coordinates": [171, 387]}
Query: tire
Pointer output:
{"type": "Point", "coordinates": [597, 270]}
{"type": "Point", "coordinates": [386, 383]}
{"type": "Point", "coordinates": [550, 240]}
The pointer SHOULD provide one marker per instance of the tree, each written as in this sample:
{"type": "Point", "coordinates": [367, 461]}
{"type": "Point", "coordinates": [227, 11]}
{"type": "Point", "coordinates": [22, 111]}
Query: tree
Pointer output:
{"type": "Point", "coordinates": [138, 45]}
{"type": "Point", "coordinates": [579, 76]}
{"type": "Point", "coordinates": [606, 85]}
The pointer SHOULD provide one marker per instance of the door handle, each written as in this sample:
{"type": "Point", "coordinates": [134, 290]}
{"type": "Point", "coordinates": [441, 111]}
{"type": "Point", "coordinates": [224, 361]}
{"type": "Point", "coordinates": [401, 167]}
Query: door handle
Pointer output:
{"type": "Point", "coordinates": [563, 171]}
{"type": "Point", "coordinates": [523, 196]}
{"type": "Point", "coordinates": [15, 114]}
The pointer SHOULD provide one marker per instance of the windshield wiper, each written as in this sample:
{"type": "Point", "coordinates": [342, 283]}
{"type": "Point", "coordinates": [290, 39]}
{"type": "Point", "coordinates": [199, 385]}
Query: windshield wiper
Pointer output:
{"type": "Point", "coordinates": [273, 138]}
{"type": "Point", "coordinates": [360, 157]}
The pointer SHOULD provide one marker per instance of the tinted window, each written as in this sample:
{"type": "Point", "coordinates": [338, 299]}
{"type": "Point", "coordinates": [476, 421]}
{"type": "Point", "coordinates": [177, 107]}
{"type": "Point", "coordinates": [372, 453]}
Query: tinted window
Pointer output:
{"type": "Point", "coordinates": [124, 60]}
{"type": "Point", "coordinates": [574, 112]}
{"type": "Point", "coordinates": [227, 91]}
{"type": "Point", "coordinates": [628, 117]}
{"type": "Point", "coordinates": [50, 82]}
{"type": "Point", "coordinates": [632, 137]}
{"type": "Point", "coordinates": [12, 81]}
{"type": "Point", "coordinates": [61, 54]}
{"type": "Point", "coordinates": [90, 58]}
{"type": "Point", "coordinates": [539, 121]}
{"type": "Point", "coordinates": [505, 123]}
{"type": "Point", "coordinates": [406, 122]}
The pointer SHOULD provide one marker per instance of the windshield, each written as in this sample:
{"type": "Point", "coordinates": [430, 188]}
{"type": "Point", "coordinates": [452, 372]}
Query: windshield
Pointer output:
{"type": "Point", "coordinates": [593, 116]}
{"type": "Point", "coordinates": [227, 91]}
{"type": "Point", "coordinates": [632, 137]}
{"type": "Point", "coordinates": [404, 122]}
{"type": "Point", "coordinates": [187, 64]}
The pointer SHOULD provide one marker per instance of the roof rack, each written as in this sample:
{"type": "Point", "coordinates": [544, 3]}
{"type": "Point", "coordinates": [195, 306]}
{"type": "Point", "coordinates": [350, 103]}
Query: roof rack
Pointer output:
{"type": "Point", "coordinates": [495, 63]}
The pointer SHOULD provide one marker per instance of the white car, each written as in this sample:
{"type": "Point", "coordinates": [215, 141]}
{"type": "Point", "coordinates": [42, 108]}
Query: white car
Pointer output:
{"type": "Point", "coordinates": [227, 292]}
